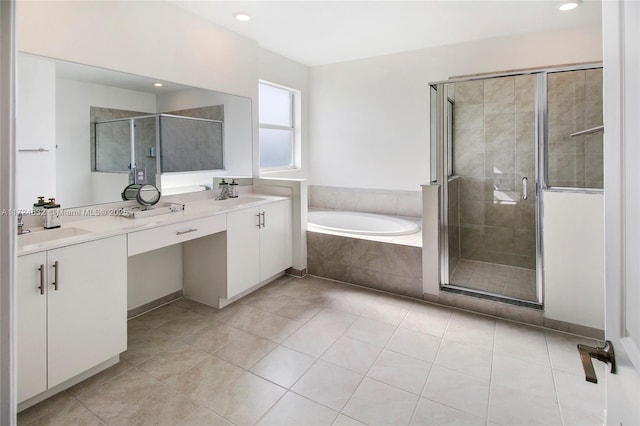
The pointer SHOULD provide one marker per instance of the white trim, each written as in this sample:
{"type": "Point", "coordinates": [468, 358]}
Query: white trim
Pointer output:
{"type": "Point", "coordinates": [7, 224]}
{"type": "Point", "coordinates": [295, 128]}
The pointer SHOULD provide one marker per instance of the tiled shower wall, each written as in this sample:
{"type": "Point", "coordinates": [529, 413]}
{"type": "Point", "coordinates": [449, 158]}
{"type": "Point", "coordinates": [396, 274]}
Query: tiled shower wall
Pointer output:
{"type": "Point", "coordinates": [145, 140]}
{"type": "Point", "coordinates": [190, 145]}
{"type": "Point", "coordinates": [381, 201]}
{"type": "Point", "coordinates": [574, 104]}
{"type": "Point", "coordinates": [493, 148]}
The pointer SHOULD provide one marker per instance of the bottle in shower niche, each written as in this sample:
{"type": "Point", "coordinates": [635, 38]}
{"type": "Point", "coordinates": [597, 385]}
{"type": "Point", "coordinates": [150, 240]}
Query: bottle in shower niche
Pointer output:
{"type": "Point", "coordinates": [233, 189]}
{"type": "Point", "coordinates": [52, 215]}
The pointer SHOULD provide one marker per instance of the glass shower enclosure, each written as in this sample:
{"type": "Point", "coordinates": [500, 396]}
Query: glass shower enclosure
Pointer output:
{"type": "Point", "coordinates": [158, 143]}
{"type": "Point", "coordinates": [498, 142]}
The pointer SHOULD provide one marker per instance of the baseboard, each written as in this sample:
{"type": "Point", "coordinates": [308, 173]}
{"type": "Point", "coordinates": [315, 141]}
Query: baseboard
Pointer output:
{"type": "Point", "coordinates": [68, 383]}
{"type": "Point", "coordinates": [296, 272]}
{"type": "Point", "coordinates": [581, 330]}
{"type": "Point", "coordinates": [134, 312]}
{"type": "Point", "coordinates": [523, 314]}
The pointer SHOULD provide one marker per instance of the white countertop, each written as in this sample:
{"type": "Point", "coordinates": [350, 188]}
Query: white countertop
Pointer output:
{"type": "Point", "coordinates": [104, 225]}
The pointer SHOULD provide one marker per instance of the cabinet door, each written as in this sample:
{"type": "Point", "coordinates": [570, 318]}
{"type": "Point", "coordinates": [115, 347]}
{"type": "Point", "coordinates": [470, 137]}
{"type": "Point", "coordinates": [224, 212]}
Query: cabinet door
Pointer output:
{"type": "Point", "coordinates": [31, 323]}
{"type": "Point", "coordinates": [87, 315]}
{"type": "Point", "coordinates": [243, 251]}
{"type": "Point", "coordinates": [275, 239]}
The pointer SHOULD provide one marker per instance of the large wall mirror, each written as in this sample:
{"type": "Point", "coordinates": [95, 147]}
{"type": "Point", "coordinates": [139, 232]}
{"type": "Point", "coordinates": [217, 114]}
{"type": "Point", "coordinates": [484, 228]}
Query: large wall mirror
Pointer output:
{"type": "Point", "coordinates": [79, 128]}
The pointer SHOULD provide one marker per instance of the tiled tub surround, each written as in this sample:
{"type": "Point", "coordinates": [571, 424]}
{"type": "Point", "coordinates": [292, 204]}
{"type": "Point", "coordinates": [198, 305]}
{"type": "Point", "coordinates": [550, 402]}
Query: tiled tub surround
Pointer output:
{"type": "Point", "coordinates": [392, 264]}
{"type": "Point", "coordinates": [381, 201]}
{"type": "Point", "coordinates": [574, 104]}
{"type": "Point", "coordinates": [313, 351]}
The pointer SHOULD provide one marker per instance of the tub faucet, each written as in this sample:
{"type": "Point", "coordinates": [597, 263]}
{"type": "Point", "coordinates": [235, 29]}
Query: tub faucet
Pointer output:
{"type": "Point", "coordinates": [21, 229]}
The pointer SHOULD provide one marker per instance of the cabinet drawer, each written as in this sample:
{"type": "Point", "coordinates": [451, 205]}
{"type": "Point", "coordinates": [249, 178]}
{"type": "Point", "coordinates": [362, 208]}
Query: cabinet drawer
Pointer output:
{"type": "Point", "coordinates": [163, 236]}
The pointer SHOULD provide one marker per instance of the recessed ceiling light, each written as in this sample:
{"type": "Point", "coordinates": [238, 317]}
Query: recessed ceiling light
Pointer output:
{"type": "Point", "coordinates": [158, 84]}
{"type": "Point", "coordinates": [570, 5]}
{"type": "Point", "coordinates": [242, 16]}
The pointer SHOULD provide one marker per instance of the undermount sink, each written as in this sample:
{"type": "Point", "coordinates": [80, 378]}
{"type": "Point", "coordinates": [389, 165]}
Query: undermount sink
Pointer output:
{"type": "Point", "coordinates": [239, 201]}
{"type": "Point", "coordinates": [45, 235]}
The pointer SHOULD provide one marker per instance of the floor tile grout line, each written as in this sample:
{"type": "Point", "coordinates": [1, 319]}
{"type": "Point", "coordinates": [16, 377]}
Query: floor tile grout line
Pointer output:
{"type": "Point", "coordinates": [100, 384]}
{"type": "Point", "coordinates": [547, 336]}
{"type": "Point", "coordinates": [271, 408]}
{"type": "Point", "coordinates": [493, 357]}
{"type": "Point", "coordinates": [196, 402]}
{"type": "Point", "coordinates": [424, 386]}
{"type": "Point", "coordinates": [100, 419]}
{"type": "Point", "coordinates": [363, 376]}
{"type": "Point", "coordinates": [555, 382]}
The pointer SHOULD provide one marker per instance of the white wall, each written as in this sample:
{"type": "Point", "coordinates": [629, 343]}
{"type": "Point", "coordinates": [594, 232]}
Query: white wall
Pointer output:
{"type": "Point", "coordinates": [370, 117]}
{"type": "Point", "coordinates": [277, 69]}
{"type": "Point", "coordinates": [76, 184]}
{"type": "Point", "coordinates": [153, 275]}
{"type": "Point", "coordinates": [154, 39]}
{"type": "Point", "coordinates": [573, 233]}
{"type": "Point", "coordinates": [35, 129]}
{"type": "Point", "coordinates": [174, 45]}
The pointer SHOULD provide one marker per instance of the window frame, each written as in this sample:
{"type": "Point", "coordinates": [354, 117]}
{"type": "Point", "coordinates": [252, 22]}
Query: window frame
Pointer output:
{"type": "Point", "coordinates": [294, 129]}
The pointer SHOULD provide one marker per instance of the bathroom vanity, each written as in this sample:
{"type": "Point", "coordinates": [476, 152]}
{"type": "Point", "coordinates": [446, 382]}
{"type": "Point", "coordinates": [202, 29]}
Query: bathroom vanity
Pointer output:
{"type": "Point", "coordinates": [72, 285]}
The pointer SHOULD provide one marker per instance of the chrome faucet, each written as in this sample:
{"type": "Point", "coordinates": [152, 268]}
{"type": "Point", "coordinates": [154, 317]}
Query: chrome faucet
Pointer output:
{"type": "Point", "coordinates": [21, 229]}
{"type": "Point", "coordinates": [224, 192]}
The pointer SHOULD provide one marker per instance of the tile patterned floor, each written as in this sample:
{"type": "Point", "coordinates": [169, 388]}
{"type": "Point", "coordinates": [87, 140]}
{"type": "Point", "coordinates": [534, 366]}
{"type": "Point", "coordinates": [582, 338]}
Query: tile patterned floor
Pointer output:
{"type": "Point", "coordinates": [316, 352]}
{"type": "Point", "coordinates": [509, 281]}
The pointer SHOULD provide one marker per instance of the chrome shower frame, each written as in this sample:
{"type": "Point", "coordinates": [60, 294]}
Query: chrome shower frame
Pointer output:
{"type": "Point", "coordinates": [439, 172]}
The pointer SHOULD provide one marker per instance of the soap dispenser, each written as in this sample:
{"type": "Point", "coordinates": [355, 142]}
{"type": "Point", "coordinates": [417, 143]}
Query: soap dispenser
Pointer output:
{"type": "Point", "coordinates": [52, 215]}
{"type": "Point", "coordinates": [233, 189]}
{"type": "Point", "coordinates": [38, 207]}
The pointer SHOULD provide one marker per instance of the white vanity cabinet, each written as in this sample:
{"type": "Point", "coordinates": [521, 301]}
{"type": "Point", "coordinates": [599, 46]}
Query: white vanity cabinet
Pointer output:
{"type": "Point", "coordinates": [275, 239]}
{"type": "Point", "coordinates": [256, 247]}
{"type": "Point", "coordinates": [72, 315]}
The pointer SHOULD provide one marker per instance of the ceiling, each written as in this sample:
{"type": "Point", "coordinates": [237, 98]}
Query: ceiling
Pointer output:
{"type": "Point", "coordinates": [322, 32]}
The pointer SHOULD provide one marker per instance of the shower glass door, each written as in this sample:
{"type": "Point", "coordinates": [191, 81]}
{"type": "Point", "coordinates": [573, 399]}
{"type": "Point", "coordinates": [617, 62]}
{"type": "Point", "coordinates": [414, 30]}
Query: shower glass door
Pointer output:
{"type": "Point", "coordinates": [488, 159]}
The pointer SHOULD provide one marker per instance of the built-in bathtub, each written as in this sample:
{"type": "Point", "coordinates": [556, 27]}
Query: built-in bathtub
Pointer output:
{"type": "Point", "coordinates": [371, 250]}
{"type": "Point", "coordinates": [360, 223]}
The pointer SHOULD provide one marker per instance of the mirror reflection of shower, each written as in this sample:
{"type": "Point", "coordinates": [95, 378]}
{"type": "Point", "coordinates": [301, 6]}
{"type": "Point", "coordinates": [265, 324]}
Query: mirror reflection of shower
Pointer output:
{"type": "Point", "coordinates": [502, 139]}
{"type": "Point", "coordinates": [146, 145]}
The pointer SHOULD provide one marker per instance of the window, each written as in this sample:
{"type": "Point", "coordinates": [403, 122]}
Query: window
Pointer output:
{"type": "Point", "coordinates": [278, 116]}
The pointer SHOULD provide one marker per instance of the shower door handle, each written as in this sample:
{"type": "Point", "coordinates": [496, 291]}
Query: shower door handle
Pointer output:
{"type": "Point", "coordinates": [524, 188]}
